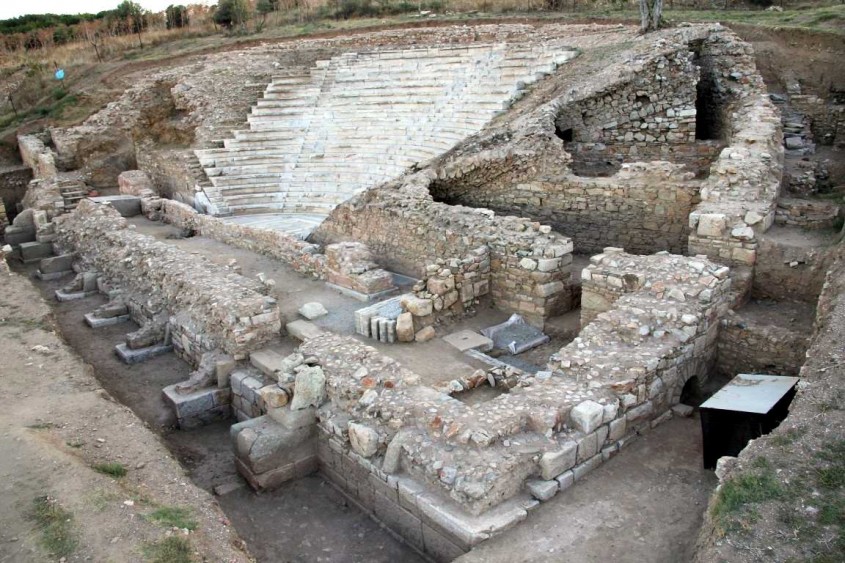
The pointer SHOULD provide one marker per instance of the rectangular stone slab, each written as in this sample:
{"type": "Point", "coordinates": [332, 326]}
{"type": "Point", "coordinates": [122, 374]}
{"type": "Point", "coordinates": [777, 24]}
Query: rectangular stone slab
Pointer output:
{"type": "Point", "coordinates": [465, 340]}
{"type": "Point", "coordinates": [64, 296]}
{"type": "Point", "coordinates": [129, 356]}
{"type": "Point", "coordinates": [34, 251]}
{"type": "Point", "coordinates": [96, 322]}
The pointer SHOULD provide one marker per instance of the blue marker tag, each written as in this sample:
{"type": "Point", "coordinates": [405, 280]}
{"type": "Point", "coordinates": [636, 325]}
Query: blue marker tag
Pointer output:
{"type": "Point", "coordinates": [60, 74]}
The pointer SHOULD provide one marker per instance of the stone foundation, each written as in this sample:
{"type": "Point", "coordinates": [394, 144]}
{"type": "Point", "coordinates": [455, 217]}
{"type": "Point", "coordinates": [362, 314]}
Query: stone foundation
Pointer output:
{"type": "Point", "coordinates": [157, 279]}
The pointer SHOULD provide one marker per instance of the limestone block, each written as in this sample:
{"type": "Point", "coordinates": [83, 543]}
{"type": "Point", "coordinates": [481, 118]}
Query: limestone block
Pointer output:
{"type": "Point", "coordinates": [554, 463]}
{"type": "Point", "coordinates": [441, 286]}
{"type": "Point", "coordinates": [309, 389]}
{"type": "Point", "coordinates": [303, 330]}
{"type": "Point", "coordinates": [274, 397]}
{"type": "Point", "coordinates": [742, 233]}
{"type": "Point", "coordinates": [294, 419]}
{"type": "Point", "coordinates": [425, 334]}
{"type": "Point", "coordinates": [587, 416]}
{"type": "Point", "coordinates": [711, 224]}
{"type": "Point", "coordinates": [363, 439]}
{"type": "Point", "coordinates": [752, 218]}
{"type": "Point", "coordinates": [417, 306]}
{"type": "Point", "coordinates": [542, 490]}
{"type": "Point", "coordinates": [313, 311]}
{"type": "Point", "coordinates": [405, 327]}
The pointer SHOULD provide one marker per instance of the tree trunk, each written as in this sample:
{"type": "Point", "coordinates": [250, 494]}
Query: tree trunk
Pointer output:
{"type": "Point", "coordinates": [650, 12]}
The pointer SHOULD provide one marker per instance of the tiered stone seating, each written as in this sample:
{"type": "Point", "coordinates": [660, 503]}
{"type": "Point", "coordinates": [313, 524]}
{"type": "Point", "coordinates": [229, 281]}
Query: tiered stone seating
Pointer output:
{"type": "Point", "coordinates": [357, 120]}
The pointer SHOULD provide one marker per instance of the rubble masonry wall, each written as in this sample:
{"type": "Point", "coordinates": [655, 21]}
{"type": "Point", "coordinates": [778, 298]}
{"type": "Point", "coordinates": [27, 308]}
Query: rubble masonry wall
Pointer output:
{"type": "Point", "coordinates": [407, 230]}
{"type": "Point", "coordinates": [219, 308]}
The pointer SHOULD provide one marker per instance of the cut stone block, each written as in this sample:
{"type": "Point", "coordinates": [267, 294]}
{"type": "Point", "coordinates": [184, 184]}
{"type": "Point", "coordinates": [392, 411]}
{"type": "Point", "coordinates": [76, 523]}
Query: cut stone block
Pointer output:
{"type": "Point", "coordinates": [542, 490]}
{"type": "Point", "coordinates": [264, 447]}
{"type": "Point", "coordinates": [31, 252]}
{"type": "Point", "coordinates": [62, 295]}
{"type": "Point", "coordinates": [200, 407]}
{"type": "Point", "coordinates": [267, 361]}
{"type": "Point", "coordinates": [363, 439]}
{"type": "Point", "coordinates": [15, 236]}
{"type": "Point", "coordinates": [405, 327]}
{"type": "Point", "coordinates": [469, 340]}
{"type": "Point", "coordinates": [313, 311]}
{"type": "Point", "coordinates": [425, 334]}
{"type": "Point", "coordinates": [294, 419]}
{"type": "Point", "coordinates": [130, 356]}
{"type": "Point", "coordinates": [53, 264]}
{"type": "Point", "coordinates": [554, 463]}
{"type": "Point", "coordinates": [97, 322]}
{"type": "Point", "coordinates": [303, 330]}
{"type": "Point", "coordinates": [587, 416]}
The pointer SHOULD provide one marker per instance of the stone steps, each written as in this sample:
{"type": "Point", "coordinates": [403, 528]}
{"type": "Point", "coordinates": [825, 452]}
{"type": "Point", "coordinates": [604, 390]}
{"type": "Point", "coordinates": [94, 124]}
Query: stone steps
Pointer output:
{"type": "Point", "coordinates": [359, 119]}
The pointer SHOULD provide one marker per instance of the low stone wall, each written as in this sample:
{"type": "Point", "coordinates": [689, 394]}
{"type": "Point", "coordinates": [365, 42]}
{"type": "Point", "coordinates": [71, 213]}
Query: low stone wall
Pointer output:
{"type": "Point", "coordinates": [807, 213]}
{"type": "Point", "coordinates": [529, 265]}
{"type": "Point", "coordinates": [37, 156]}
{"type": "Point", "coordinates": [218, 308]}
{"type": "Point", "coordinates": [643, 207]}
{"type": "Point", "coordinates": [739, 197]}
{"type": "Point", "coordinates": [750, 346]}
{"type": "Point", "coordinates": [303, 257]}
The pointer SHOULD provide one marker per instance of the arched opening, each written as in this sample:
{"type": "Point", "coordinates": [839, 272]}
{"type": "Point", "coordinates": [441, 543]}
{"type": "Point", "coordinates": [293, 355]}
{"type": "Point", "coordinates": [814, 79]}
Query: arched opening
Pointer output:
{"type": "Point", "coordinates": [566, 135]}
{"type": "Point", "coordinates": [692, 394]}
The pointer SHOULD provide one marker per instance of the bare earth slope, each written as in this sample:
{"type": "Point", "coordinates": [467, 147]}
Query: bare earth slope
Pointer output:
{"type": "Point", "coordinates": [55, 424]}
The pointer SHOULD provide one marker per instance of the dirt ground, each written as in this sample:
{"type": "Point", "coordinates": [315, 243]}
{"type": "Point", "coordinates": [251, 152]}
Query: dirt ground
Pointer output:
{"type": "Point", "coordinates": [57, 422]}
{"type": "Point", "coordinates": [645, 504]}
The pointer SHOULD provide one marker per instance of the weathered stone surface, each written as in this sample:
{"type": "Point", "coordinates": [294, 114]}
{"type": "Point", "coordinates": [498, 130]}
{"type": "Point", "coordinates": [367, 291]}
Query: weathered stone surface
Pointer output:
{"type": "Point", "coordinates": [313, 311]}
{"type": "Point", "coordinates": [425, 334]}
{"type": "Point", "coordinates": [405, 327]}
{"type": "Point", "coordinates": [587, 416]}
{"type": "Point", "coordinates": [309, 389]}
{"type": "Point", "coordinates": [363, 439]}
{"type": "Point", "coordinates": [542, 490]}
{"type": "Point", "coordinates": [556, 462]}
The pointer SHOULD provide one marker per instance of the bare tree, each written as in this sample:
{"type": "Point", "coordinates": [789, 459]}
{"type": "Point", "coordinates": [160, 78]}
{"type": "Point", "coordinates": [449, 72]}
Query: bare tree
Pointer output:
{"type": "Point", "coordinates": [650, 12]}
{"type": "Point", "coordinates": [93, 37]}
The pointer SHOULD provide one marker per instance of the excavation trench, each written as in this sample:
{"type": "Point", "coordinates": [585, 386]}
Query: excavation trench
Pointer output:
{"type": "Point", "coordinates": [305, 520]}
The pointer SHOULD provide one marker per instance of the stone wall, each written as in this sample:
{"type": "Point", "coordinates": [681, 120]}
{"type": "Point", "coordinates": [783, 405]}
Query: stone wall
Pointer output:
{"type": "Point", "coordinates": [644, 207]}
{"type": "Point", "coordinates": [739, 197]}
{"type": "Point", "coordinates": [650, 115]}
{"type": "Point", "coordinates": [446, 475]}
{"type": "Point", "coordinates": [530, 265]}
{"type": "Point", "coordinates": [747, 345]}
{"type": "Point", "coordinates": [216, 307]}
{"type": "Point", "coordinates": [302, 256]}
{"type": "Point", "coordinates": [37, 156]}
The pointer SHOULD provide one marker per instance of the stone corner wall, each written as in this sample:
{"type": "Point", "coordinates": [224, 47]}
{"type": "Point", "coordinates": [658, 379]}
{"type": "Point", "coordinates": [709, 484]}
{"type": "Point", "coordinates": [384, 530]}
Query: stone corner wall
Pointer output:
{"type": "Point", "coordinates": [408, 230]}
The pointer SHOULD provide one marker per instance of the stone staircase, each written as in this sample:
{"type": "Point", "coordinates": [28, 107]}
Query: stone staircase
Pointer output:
{"type": "Point", "coordinates": [72, 193]}
{"type": "Point", "coordinates": [360, 119]}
